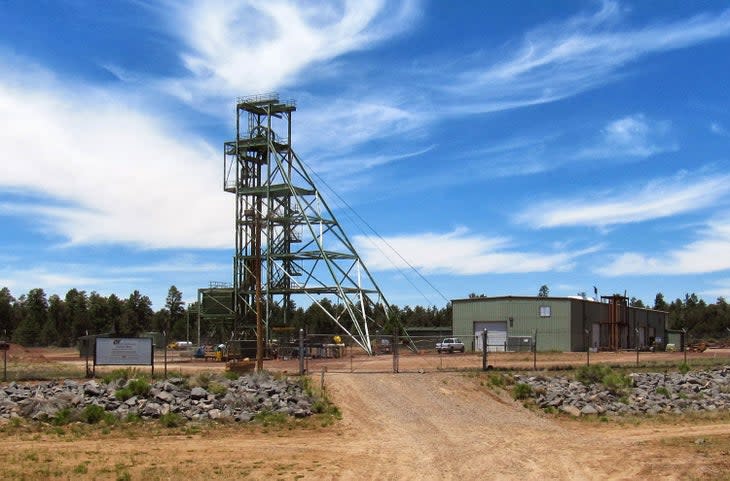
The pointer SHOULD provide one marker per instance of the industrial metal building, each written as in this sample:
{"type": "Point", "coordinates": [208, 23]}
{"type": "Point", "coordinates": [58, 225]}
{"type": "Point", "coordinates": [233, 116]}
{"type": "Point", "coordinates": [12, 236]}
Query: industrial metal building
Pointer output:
{"type": "Point", "coordinates": [557, 323]}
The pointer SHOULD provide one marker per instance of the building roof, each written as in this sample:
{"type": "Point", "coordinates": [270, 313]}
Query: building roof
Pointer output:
{"type": "Point", "coordinates": [537, 298]}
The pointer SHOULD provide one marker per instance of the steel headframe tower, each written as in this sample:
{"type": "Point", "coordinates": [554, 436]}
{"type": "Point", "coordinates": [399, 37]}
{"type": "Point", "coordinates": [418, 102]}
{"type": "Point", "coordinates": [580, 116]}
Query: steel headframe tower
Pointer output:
{"type": "Point", "coordinates": [288, 241]}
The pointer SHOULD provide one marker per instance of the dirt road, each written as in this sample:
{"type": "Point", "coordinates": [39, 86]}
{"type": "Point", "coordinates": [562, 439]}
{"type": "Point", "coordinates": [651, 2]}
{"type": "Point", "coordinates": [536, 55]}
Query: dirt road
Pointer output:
{"type": "Point", "coordinates": [441, 426]}
{"type": "Point", "coordinates": [400, 427]}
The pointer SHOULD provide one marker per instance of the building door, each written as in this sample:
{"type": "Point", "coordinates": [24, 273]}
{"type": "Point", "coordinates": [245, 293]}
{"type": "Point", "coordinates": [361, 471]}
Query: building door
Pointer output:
{"type": "Point", "coordinates": [496, 335]}
{"type": "Point", "coordinates": [596, 337]}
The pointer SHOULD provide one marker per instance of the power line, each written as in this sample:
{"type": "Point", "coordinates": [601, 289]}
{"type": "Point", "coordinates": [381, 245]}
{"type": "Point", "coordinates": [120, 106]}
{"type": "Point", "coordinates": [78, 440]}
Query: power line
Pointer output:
{"type": "Point", "coordinates": [343, 201]}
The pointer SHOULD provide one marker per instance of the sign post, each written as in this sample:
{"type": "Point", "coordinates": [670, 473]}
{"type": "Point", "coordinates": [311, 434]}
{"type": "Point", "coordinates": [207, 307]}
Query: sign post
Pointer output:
{"type": "Point", "coordinates": [4, 347]}
{"type": "Point", "coordinates": [124, 351]}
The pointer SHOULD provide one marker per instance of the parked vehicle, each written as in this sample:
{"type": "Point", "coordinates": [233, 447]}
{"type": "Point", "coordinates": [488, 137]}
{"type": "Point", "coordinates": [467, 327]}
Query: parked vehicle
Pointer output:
{"type": "Point", "coordinates": [450, 344]}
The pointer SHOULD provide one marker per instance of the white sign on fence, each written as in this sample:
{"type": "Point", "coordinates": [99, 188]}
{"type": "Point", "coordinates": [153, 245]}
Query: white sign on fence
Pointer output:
{"type": "Point", "coordinates": [123, 351]}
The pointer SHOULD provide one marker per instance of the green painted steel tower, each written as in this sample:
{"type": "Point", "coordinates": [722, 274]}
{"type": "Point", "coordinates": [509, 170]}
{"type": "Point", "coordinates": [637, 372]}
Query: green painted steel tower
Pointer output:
{"type": "Point", "coordinates": [288, 241]}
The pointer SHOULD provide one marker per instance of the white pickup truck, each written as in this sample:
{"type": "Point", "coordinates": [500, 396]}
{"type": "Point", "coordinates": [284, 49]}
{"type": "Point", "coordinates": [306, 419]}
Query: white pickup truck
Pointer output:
{"type": "Point", "coordinates": [450, 344]}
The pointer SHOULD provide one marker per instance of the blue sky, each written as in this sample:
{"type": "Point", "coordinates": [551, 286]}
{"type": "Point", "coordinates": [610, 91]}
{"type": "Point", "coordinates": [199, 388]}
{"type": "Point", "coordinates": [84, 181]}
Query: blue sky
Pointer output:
{"type": "Point", "coordinates": [497, 146]}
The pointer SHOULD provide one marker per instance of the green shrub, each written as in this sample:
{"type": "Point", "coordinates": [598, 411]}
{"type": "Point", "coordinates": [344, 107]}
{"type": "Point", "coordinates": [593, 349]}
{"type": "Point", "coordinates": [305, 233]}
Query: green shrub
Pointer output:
{"type": "Point", "coordinates": [683, 368]}
{"type": "Point", "coordinates": [62, 417]}
{"type": "Point", "coordinates": [172, 420]}
{"type": "Point", "coordinates": [497, 380]}
{"type": "Point", "coordinates": [217, 388]}
{"type": "Point", "coordinates": [662, 391]}
{"type": "Point", "coordinates": [522, 391]}
{"type": "Point", "coordinates": [93, 413]}
{"type": "Point", "coordinates": [270, 418]}
{"type": "Point", "coordinates": [231, 375]}
{"type": "Point", "coordinates": [123, 374]}
{"type": "Point", "coordinates": [139, 387]}
{"type": "Point", "coordinates": [203, 380]}
{"type": "Point", "coordinates": [616, 382]}
{"type": "Point", "coordinates": [123, 394]}
{"type": "Point", "coordinates": [592, 374]}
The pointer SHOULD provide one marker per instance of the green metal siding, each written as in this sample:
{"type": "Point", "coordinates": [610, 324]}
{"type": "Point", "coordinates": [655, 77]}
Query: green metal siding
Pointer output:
{"type": "Point", "coordinates": [553, 333]}
{"type": "Point", "coordinates": [564, 330]}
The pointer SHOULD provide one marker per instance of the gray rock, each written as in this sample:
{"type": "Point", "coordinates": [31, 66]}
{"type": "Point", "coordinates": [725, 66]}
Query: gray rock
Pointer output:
{"type": "Point", "coordinates": [198, 393]}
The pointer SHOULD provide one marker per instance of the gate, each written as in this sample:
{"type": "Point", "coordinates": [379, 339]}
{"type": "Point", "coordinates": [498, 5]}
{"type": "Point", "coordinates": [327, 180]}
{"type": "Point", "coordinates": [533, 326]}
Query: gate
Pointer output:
{"type": "Point", "coordinates": [339, 353]}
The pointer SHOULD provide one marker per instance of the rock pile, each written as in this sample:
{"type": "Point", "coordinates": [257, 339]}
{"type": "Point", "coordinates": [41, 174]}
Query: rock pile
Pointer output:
{"type": "Point", "coordinates": [238, 400]}
{"type": "Point", "coordinates": [649, 393]}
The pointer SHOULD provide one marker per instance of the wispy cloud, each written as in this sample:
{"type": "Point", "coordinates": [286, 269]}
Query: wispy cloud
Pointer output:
{"type": "Point", "coordinates": [631, 136]}
{"type": "Point", "coordinates": [565, 59]}
{"type": "Point", "coordinates": [709, 253]}
{"type": "Point", "coordinates": [251, 46]}
{"type": "Point", "coordinates": [105, 169]}
{"type": "Point", "coordinates": [720, 288]}
{"type": "Point", "coordinates": [346, 123]}
{"type": "Point", "coordinates": [659, 198]}
{"type": "Point", "coordinates": [459, 252]}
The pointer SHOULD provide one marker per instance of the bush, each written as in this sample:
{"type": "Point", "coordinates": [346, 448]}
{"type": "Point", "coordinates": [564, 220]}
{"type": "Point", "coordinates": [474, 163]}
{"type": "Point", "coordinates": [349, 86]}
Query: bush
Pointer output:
{"type": "Point", "coordinates": [62, 417]}
{"type": "Point", "coordinates": [123, 394]}
{"type": "Point", "coordinates": [497, 380]}
{"type": "Point", "coordinates": [94, 413]}
{"type": "Point", "coordinates": [172, 420]}
{"type": "Point", "coordinates": [616, 382]}
{"type": "Point", "coordinates": [592, 374]}
{"type": "Point", "coordinates": [662, 391]}
{"type": "Point", "coordinates": [217, 388]}
{"type": "Point", "coordinates": [123, 375]}
{"type": "Point", "coordinates": [683, 368]}
{"type": "Point", "coordinates": [522, 391]}
{"type": "Point", "coordinates": [139, 387]}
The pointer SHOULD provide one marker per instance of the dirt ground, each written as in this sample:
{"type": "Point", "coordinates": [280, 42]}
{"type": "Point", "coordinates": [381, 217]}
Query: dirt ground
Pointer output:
{"type": "Point", "coordinates": [411, 426]}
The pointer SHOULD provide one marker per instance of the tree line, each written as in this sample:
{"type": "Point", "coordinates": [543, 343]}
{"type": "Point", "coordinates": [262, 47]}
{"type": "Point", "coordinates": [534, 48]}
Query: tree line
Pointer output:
{"type": "Point", "coordinates": [700, 319]}
{"type": "Point", "coordinates": [36, 319]}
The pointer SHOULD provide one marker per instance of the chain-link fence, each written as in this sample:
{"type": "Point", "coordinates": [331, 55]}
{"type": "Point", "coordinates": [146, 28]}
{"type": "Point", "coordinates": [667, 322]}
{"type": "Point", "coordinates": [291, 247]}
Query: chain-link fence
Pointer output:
{"type": "Point", "coordinates": [338, 353]}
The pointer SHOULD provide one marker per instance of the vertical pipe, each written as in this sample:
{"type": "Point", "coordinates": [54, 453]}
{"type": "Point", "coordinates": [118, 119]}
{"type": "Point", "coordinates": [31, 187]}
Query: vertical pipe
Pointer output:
{"type": "Point", "coordinates": [534, 350]}
{"type": "Point", "coordinates": [200, 304]}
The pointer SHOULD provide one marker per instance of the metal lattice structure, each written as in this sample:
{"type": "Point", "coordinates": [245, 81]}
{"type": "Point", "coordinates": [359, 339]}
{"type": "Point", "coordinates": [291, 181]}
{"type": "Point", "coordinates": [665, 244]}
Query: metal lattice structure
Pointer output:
{"type": "Point", "coordinates": [288, 241]}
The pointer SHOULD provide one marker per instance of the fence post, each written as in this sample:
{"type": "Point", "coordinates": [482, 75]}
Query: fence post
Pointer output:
{"type": "Point", "coordinates": [684, 344]}
{"type": "Point", "coordinates": [534, 350]}
{"type": "Point", "coordinates": [588, 347]}
{"type": "Point", "coordinates": [395, 351]}
{"type": "Point", "coordinates": [301, 352]}
{"type": "Point", "coordinates": [636, 330]}
{"type": "Point", "coordinates": [485, 366]}
{"type": "Point", "coordinates": [164, 336]}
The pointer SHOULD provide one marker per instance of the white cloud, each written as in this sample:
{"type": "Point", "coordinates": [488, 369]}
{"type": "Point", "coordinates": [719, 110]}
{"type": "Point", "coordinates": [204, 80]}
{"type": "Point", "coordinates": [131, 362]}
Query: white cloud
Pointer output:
{"type": "Point", "coordinates": [564, 59]}
{"type": "Point", "coordinates": [106, 171]}
{"type": "Point", "coordinates": [718, 129]}
{"type": "Point", "coordinates": [721, 289]}
{"type": "Point", "coordinates": [255, 46]}
{"type": "Point", "coordinates": [631, 136]}
{"type": "Point", "coordinates": [657, 199]}
{"type": "Point", "coordinates": [67, 277]}
{"type": "Point", "coordinates": [458, 252]}
{"type": "Point", "coordinates": [336, 126]}
{"type": "Point", "coordinates": [709, 253]}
